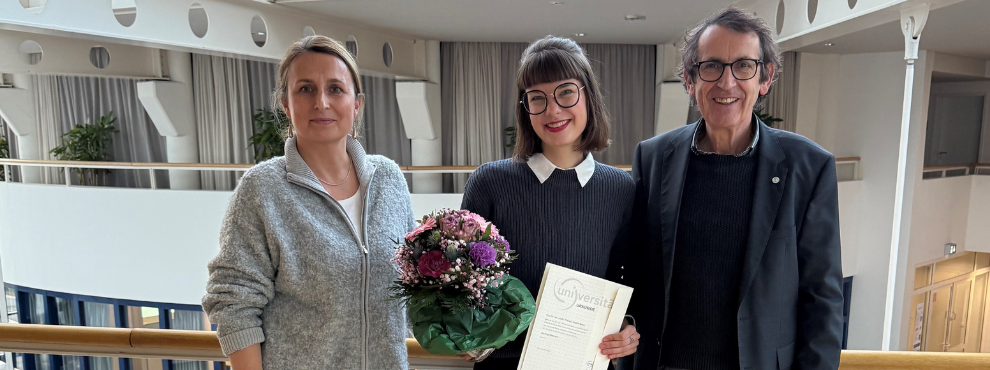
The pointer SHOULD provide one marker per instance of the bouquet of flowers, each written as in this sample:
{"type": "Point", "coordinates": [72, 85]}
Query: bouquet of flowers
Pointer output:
{"type": "Point", "coordinates": [453, 276]}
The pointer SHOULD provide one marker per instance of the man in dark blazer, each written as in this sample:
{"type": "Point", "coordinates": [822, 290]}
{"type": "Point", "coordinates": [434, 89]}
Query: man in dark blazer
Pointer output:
{"type": "Point", "coordinates": [735, 253]}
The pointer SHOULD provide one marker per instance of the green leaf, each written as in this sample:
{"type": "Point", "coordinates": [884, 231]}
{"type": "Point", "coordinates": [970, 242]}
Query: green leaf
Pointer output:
{"type": "Point", "coordinates": [443, 327]}
{"type": "Point", "coordinates": [488, 232]}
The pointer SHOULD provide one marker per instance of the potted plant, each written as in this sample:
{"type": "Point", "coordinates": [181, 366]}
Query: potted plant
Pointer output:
{"type": "Point", "coordinates": [510, 137]}
{"type": "Point", "coordinates": [90, 143]}
{"type": "Point", "coordinates": [768, 119]}
{"type": "Point", "coordinates": [267, 140]}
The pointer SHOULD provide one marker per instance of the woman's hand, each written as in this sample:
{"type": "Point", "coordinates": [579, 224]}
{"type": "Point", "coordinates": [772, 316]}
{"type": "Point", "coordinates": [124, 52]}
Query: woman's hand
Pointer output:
{"type": "Point", "coordinates": [621, 344]}
{"type": "Point", "coordinates": [247, 359]}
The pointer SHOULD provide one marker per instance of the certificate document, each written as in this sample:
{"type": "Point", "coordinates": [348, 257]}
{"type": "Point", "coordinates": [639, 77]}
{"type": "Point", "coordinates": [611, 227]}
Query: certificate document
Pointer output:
{"type": "Point", "coordinates": [574, 311]}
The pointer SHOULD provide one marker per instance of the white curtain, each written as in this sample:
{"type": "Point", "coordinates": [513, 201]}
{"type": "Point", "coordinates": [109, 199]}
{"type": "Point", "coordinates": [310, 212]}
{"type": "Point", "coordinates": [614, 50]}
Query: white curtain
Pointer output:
{"type": "Point", "coordinates": [83, 100]}
{"type": "Point", "coordinates": [627, 75]}
{"type": "Point", "coordinates": [383, 132]}
{"type": "Point", "coordinates": [47, 125]}
{"type": "Point", "coordinates": [223, 116]}
{"type": "Point", "coordinates": [477, 94]}
{"type": "Point", "coordinates": [781, 102]}
{"type": "Point", "coordinates": [261, 77]}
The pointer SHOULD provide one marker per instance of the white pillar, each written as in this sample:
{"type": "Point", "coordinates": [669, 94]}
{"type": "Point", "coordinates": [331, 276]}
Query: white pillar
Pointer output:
{"type": "Point", "coordinates": [170, 106]}
{"type": "Point", "coordinates": [912, 23]}
{"type": "Point", "coordinates": [17, 107]}
{"type": "Point", "coordinates": [427, 153]}
{"type": "Point", "coordinates": [419, 104]}
{"type": "Point", "coordinates": [184, 148]}
{"type": "Point", "coordinates": [672, 102]}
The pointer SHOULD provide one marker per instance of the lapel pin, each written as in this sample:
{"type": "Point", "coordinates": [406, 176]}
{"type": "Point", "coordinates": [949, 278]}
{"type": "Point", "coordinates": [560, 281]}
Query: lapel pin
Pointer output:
{"type": "Point", "coordinates": [775, 179]}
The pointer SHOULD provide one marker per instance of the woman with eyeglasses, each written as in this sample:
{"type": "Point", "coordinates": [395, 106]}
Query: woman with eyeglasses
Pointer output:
{"type": "Point", "coordinates": [552, 201]}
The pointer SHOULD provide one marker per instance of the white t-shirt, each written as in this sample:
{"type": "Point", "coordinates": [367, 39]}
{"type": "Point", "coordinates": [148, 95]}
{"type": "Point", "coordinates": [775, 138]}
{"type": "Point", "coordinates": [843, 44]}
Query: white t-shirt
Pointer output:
{"type": "Point", "coordinates": [354, 207]}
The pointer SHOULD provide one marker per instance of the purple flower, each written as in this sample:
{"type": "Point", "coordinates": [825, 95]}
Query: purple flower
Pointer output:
{"type": "Point", "coordinates": [502, 241]}
{"type": "Point", "coordinates": [433, 264]}
{"type": "Point", "coordinates": [482, 254]}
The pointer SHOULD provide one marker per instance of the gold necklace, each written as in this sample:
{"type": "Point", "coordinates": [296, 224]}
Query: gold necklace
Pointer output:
{"type": "Point", "coordinates": [337, 184]}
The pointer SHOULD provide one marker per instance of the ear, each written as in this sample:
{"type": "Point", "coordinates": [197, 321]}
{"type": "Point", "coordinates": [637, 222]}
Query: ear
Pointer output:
{"type": "Point", "coordinates": [765, 85]}
{"type": "Point", "coordinates": [285, 105]}
{"type": "Point", "coordinates": [688, 82]}
{"type": "Point", "coordinates": [357, 104]}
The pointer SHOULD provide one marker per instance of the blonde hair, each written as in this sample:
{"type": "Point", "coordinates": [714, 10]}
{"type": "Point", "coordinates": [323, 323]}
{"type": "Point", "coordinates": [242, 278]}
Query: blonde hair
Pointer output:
{"type": "Point", "coordinates": [317, 44]}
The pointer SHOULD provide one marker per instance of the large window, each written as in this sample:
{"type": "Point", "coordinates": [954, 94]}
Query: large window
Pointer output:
{"type": "Point", "coordinates": [33, 306]}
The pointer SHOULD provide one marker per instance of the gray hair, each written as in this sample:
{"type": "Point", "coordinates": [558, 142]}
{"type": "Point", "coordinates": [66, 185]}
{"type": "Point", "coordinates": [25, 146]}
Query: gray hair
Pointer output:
{"type": "Point", "coordinates": [739, 21]}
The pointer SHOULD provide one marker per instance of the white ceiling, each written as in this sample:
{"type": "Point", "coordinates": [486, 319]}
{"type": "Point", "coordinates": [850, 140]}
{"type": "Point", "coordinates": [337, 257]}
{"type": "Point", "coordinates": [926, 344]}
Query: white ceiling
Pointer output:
{"type": "Point", "coordinates": [960, 29]}
{"type": "Point", "coordinates": [602, 21]}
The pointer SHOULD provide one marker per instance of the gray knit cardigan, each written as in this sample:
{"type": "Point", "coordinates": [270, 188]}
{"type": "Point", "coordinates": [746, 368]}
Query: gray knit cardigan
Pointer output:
{"type": "Point", "coordinates": [293, 275]}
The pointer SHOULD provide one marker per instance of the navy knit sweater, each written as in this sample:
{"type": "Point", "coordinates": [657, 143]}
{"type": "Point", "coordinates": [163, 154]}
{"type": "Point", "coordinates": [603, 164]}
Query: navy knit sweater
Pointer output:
{"type": "Point", "coordinates": [557, 221]}
{"type": "Point", "coordinates": [712, 231]}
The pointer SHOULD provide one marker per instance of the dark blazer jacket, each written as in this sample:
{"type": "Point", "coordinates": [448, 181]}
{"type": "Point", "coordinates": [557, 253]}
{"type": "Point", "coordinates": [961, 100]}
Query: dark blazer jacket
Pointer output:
{"type": "Point", "coordinates": [790, 309]}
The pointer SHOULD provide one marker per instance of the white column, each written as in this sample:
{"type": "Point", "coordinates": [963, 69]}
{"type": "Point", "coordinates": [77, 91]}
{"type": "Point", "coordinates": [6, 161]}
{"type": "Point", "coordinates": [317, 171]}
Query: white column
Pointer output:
{"type": "Point", "coordinates": [170, 106]}
{"type": "Point", "coordinates": [673, 107]}
{"type": "Point", "coordinates": [419, 104]}
{"type": "Point", "coordinates": [184, 148]}
{"type": "Point", "coordinates": [17, 107]}
{"type": "Point", "coordinates": [672, 102]}
{"type": "Point", "coordinates": [912, 23]}
{"type": "Point", "coordinates": [427, 153]}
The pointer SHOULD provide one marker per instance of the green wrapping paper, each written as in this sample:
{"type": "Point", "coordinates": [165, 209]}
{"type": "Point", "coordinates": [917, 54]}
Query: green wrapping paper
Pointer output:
{"type": "Point", "coordinates": [442, 331]}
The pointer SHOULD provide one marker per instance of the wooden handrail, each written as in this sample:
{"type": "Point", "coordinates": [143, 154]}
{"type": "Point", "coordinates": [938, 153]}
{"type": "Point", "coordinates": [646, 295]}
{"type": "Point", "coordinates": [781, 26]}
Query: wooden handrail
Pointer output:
{"type": "Point", "coordinates": [244, 167]}
{"type": "Point", "coordinates": [908, 360]}
{"type": "Point", "coordinates": [135, 343]}
{"type": "Point", "coordinates": [204, 346]}
{"type": "Point", "coordinates": [951, 166]}
{"type": "Point", "coordinates": [207, 166]}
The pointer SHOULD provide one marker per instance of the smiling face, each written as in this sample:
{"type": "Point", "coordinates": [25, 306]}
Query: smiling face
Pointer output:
{"type": "Point", "coordinates": [727, 102]}
{"type": "Point", "coordinates": [558, 126]}
{"type": "Point", "coordinates": [320, 100]}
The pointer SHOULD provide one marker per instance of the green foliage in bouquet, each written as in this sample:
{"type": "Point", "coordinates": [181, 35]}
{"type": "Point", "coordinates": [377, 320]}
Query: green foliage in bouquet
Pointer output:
{"type": "Point", "coordinates": [509, 311]}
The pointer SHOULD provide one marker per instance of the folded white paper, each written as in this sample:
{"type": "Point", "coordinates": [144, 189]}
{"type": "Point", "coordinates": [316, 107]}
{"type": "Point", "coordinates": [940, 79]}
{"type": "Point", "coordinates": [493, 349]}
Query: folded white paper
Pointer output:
{"type": "Point", "coordinates": [574, 311]}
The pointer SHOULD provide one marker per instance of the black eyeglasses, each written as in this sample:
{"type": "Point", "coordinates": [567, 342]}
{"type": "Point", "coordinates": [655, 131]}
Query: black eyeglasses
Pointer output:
{"type": "Point", "coordinates": [566, 95]}
{"type": "Point", "coordinates": [742, 69]}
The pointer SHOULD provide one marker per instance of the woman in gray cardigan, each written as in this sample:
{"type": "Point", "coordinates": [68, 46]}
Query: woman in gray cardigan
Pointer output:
{"type": "Point", "coordinates": [302, 277]}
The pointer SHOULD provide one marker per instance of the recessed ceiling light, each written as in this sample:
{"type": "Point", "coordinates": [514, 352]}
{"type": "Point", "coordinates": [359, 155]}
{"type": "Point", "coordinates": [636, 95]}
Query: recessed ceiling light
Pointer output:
{"type": "Point", "coordinates": [635, 17]}
{"type": "Point", "coordinates": [579, 34]}
{"type": "Point", "coordinates": [829, 44]}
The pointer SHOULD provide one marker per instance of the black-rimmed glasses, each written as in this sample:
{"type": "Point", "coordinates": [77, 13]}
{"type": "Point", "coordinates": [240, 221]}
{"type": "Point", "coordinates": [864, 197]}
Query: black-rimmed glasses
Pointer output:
{"type": "Point", "coordinates": [742, 69]}
{"type": "Point", "coordinates": [566, 95]}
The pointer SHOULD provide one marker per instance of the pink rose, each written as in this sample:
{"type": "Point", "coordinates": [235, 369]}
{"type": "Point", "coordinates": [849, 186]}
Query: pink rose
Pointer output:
{"type": "Point", "coordinates": [469, 227]}
{"type": "Point", "coordinates": [433, 264]}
